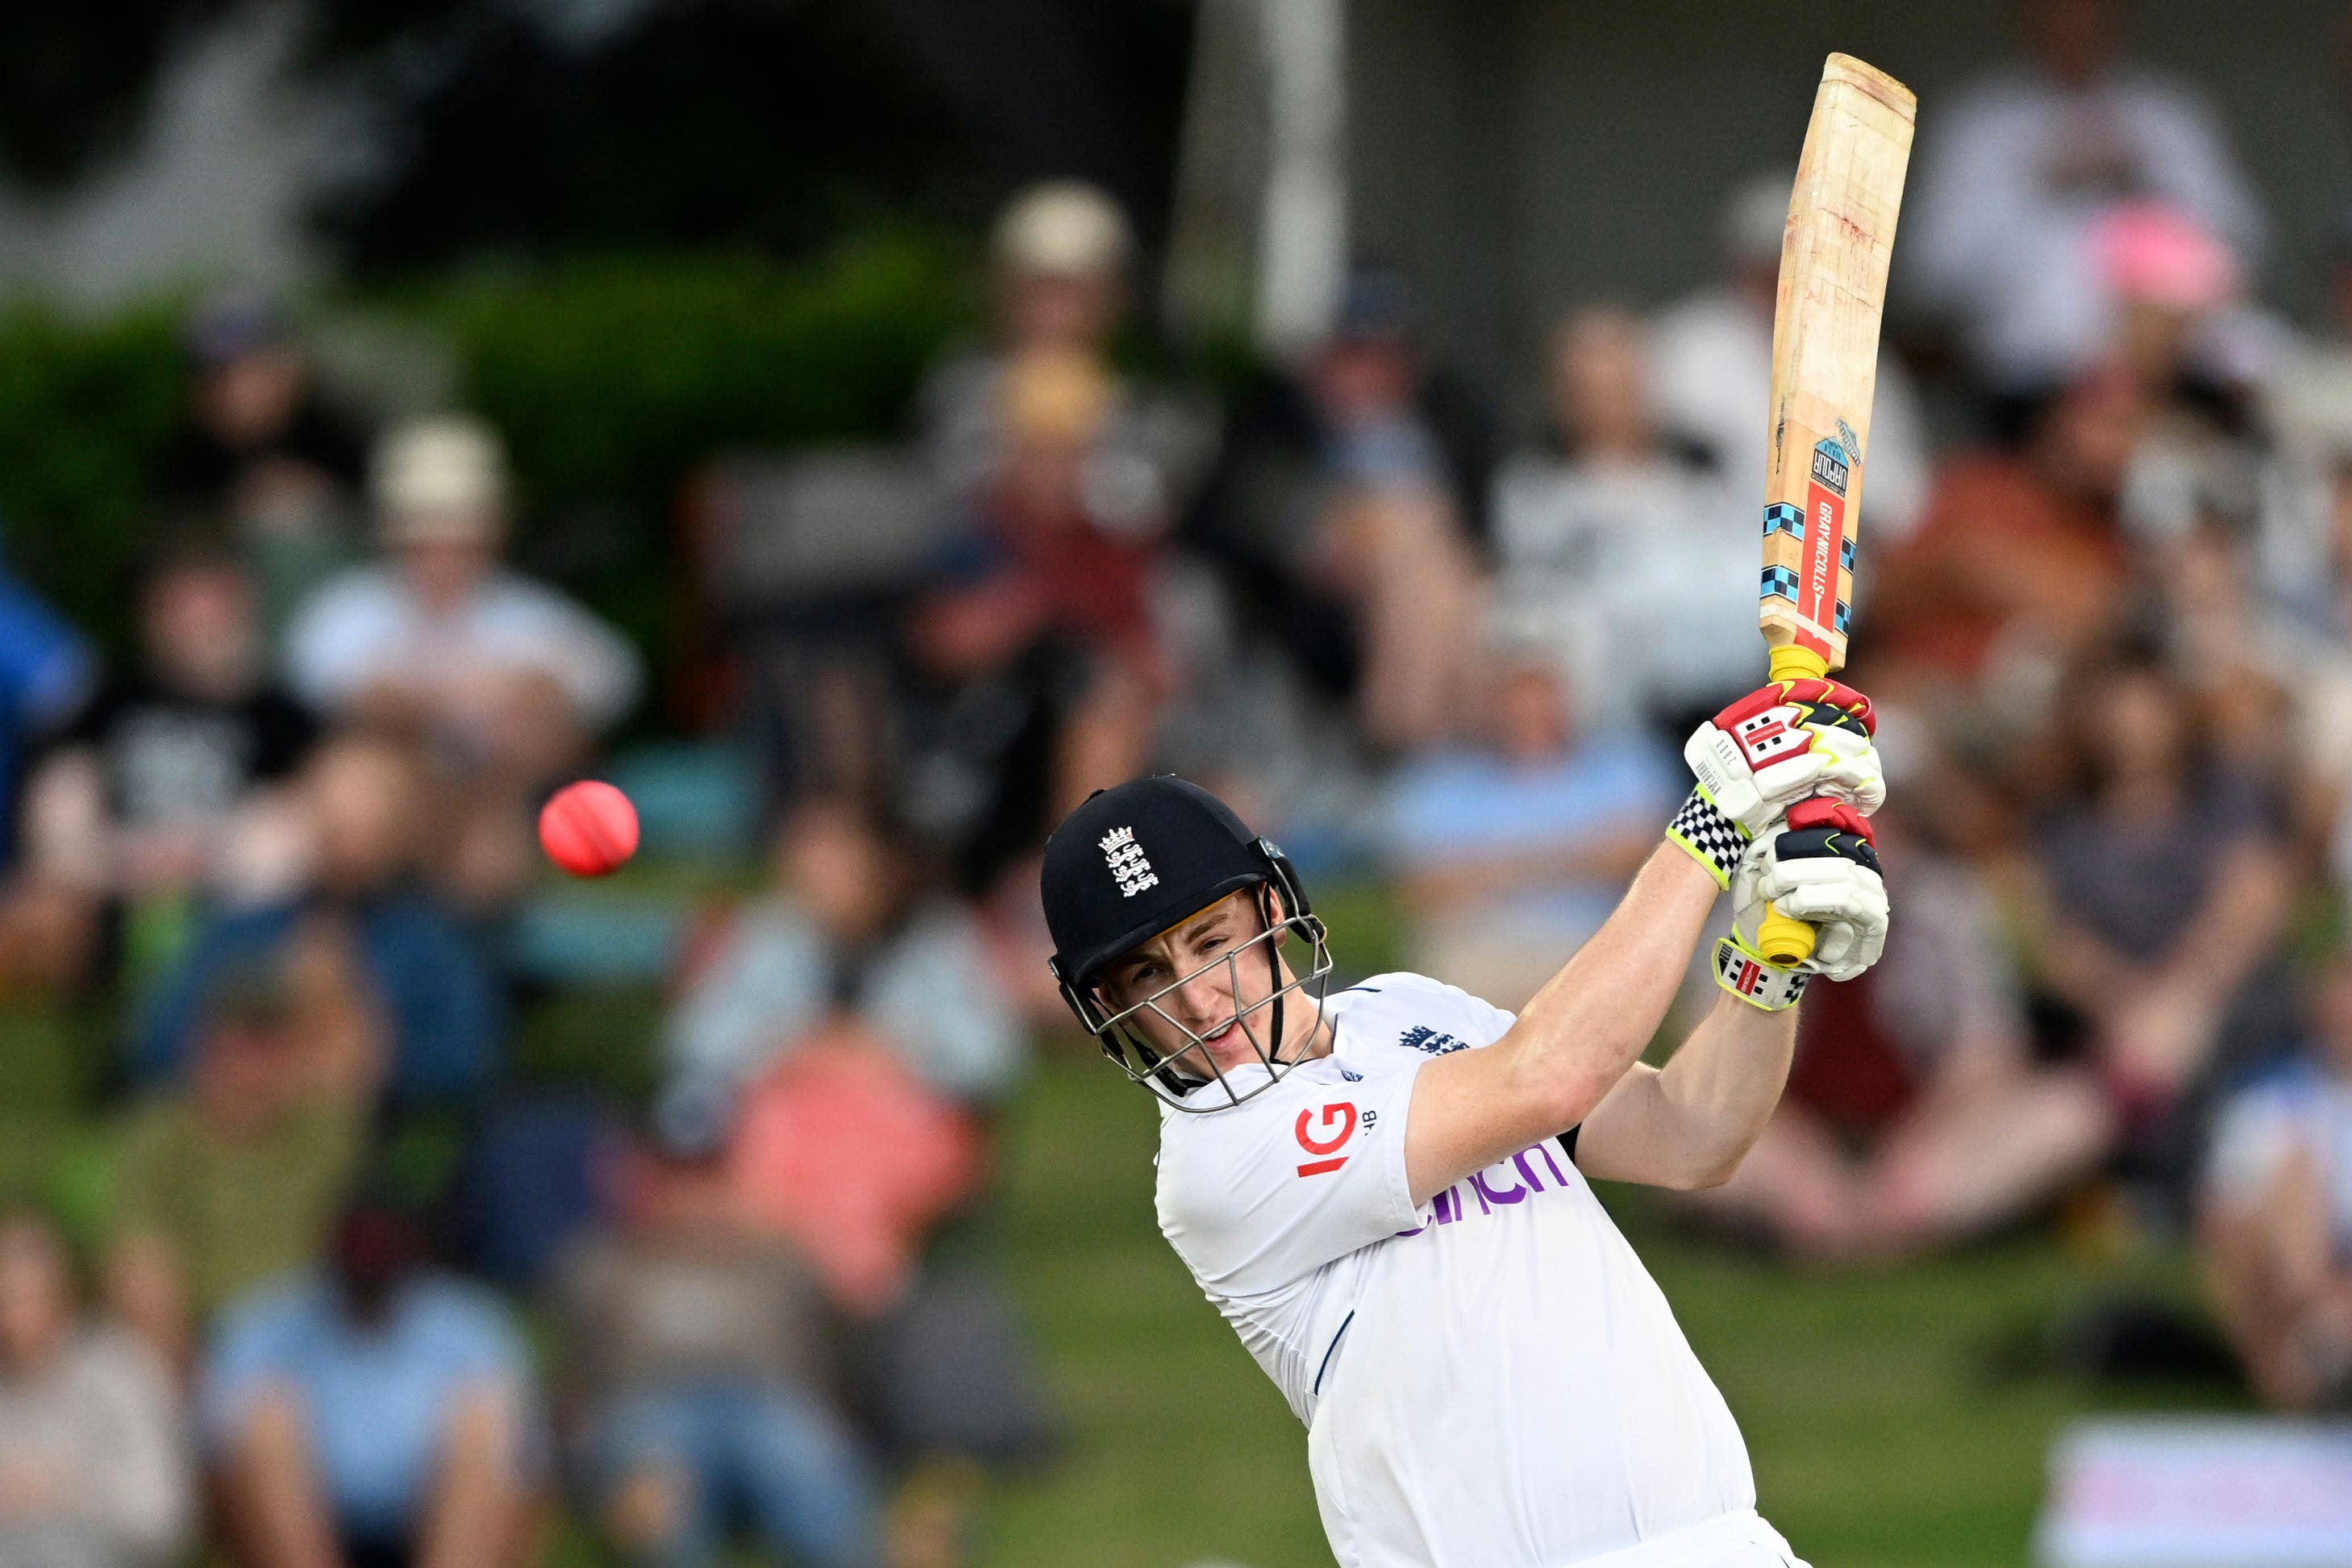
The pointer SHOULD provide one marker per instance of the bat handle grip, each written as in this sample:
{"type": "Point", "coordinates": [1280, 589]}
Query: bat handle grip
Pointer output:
{"type": "Point", "coordinates": [1783, 939]}
{"type": "Point", "coordinates": [1793, 661]}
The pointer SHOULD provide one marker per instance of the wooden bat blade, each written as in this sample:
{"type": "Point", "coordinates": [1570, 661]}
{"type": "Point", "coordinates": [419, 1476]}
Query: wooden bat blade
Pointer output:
{"type": "Point", "coordinates": [1834, 261]}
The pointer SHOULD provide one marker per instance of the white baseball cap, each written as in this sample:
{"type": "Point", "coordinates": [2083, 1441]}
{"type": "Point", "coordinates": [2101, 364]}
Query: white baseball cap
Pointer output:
{"type": "Point", "coordinates": [437, 479]}
{"type": "Point", "coordinates": [1063, 227]}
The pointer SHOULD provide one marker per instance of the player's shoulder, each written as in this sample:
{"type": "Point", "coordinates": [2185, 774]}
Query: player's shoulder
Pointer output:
{"type": "Point", "coordinates": [1412, 1011]}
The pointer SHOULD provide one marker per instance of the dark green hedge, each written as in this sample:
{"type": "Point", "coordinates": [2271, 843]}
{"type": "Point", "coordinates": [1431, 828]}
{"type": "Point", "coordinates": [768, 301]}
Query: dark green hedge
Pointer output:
{"type": "Point", "coordinates": [611, 378]}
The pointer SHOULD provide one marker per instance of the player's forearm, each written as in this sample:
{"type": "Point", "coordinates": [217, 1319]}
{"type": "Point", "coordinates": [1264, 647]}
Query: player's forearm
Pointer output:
{"type": "Point", "coordinates": [1719, 1090]}
{"type": "Point", "coordinates": [1592, 1019]}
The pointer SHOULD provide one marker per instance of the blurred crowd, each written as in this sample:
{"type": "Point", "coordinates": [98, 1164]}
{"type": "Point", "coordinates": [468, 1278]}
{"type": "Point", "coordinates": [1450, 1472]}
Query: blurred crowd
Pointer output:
{"type": "Point", "coordinates": [2105, 611]}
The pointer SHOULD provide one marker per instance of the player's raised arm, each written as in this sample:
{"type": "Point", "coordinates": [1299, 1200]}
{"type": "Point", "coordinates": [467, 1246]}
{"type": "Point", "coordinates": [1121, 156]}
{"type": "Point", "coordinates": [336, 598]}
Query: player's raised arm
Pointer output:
{"type": "Point", "coordinates": [1689, 1123]}
{"type": "Point", "coordinates": [1574, 1041]}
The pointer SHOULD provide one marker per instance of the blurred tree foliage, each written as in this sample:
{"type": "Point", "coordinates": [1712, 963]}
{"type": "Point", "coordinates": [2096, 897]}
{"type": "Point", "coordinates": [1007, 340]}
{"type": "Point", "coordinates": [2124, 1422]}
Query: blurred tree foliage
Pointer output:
{"type": "Point", "coordinates": [85, 411]}
{"type": "Point", "coordinates": [611, 378]}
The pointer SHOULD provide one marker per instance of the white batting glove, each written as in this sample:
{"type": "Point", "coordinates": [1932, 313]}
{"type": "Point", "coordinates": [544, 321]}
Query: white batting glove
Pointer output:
{"type": "Point", "coordinates": [1783, 742]}
{"type": "Point", "coordinates": [1820, 868]}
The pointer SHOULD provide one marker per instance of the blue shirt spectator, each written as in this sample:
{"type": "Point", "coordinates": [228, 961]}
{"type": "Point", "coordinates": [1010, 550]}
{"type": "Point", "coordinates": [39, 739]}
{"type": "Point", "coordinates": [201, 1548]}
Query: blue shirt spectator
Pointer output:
{"type": "Point", "coordinates": [444, 1012]}
{"type": "Point", "coordinates": [447, 1013]}
{"type": "Point", "coordinates": [1514, 850]}
{"type": "Point", "coordinates": [376, 1395]}
{"type": "Point", "coordinates": [46, 672]}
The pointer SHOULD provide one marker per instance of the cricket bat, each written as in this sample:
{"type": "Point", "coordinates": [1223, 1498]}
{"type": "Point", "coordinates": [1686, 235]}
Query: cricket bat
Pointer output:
{"type": "Point", "coordinates": [1833, 258]}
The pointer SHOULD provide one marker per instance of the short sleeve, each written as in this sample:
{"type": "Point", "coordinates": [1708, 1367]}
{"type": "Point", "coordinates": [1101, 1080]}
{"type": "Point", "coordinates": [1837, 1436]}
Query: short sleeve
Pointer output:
{"type": "Point", "coordinates": [252, 1348]}
{"type": "Point", "coordinates": [2253, 1139]}
{"type": "Point", "coordinates": [1257, 1197]}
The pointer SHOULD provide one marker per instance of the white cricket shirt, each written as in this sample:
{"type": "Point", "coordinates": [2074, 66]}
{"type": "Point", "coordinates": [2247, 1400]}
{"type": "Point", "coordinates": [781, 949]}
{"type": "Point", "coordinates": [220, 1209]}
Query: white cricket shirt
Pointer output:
{"type": "Point", "coordinates": [1493, 1381]}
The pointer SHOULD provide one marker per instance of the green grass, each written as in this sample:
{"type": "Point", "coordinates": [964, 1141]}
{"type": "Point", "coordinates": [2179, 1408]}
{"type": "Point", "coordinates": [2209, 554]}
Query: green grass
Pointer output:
{"type": "Point", "coordinates": [1883, 1431]}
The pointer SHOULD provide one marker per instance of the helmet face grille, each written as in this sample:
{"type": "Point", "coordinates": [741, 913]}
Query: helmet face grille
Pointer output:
{"type": "Point", "coordinates": [1174, 1077]}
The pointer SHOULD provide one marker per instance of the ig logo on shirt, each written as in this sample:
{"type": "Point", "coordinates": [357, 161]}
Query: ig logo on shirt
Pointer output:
{"type": "Point", "coordinates": [1337, 1124]}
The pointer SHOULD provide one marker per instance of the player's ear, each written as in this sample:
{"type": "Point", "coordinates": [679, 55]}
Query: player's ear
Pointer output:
{"type": "Point", "coordinates": [1271, 909]}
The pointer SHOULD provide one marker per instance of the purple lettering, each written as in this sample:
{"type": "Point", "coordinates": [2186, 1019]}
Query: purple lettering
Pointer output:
{"type": "Point", "coordinates": [1544, 1149]}
{"type": "Point", "coordinates": [1529, 1171]}
{"type": "Point", "coordinates": [1518, 1194]}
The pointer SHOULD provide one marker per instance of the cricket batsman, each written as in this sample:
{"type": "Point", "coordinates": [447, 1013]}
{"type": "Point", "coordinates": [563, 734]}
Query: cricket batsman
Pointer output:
{"type": "Point", "coordinates": [1384, 1189]}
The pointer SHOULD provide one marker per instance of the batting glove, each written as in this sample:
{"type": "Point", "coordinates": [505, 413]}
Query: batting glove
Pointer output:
{"type": "Point", "coordinates": [1822, 868]}
{"type": "Point", "coordinates": [1783, 742]}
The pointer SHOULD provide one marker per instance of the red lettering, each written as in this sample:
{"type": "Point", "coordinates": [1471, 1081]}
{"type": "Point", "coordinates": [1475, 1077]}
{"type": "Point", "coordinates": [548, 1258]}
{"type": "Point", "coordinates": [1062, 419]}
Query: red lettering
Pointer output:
{"type": "Point", "coordinates": [1343, 1116]}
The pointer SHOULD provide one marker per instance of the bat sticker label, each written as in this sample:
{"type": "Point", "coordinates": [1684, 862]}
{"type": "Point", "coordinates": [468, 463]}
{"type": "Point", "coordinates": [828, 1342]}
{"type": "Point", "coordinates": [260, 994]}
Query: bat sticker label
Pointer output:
{"type": "Point", "coordinates": [1849, 442]}
{"type": "Point", "coordinates": [1825, 540]}
{"type": "Point", "coordinates": [1780, 517]}
{"type": "Point", "coordinates": [1830, 467]}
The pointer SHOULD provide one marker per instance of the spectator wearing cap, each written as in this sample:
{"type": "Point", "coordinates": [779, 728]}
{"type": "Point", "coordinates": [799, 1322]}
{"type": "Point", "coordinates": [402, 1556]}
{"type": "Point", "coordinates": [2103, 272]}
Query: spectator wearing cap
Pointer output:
{"type": "Point", "coordinates": [1061, 259]}
{"type": "Point", "coordinates": [1711, 369]}
{"type": "Point", "coordinates": [368, 803]}
{"type": "Point", "coordinates": [235, 1181]}
{"type": "Point", "coordinates": [376, 1412]}
{"type": "Point", "coordinates": [94, 1467]}
{"type": "Point", "coordinates": [509, 679]}
{"type": "Point", "coordinates": [260, 452]}
{"type": "Point", "coordinates": [503, 667]}
{"type": "Point", "coordinates": [173, 780]}
{"type": "Point", "coordinates": [2008, 197]}
{"type": "Point", "coordinates": [698, 1368]}
{"type": "Point", "coordinates": [1347, 512]}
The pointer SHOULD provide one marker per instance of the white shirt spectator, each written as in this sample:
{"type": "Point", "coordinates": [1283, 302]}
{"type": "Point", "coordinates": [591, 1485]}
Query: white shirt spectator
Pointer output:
{"type": "Point", "coordinates": [2010, 186]}
{"type": "Point", "coordinates": [1493, 1379]}
{"type": "Point", "coordinates": [368, 627]}
{"type": "Point", "coordinates": [1711, 380]}
{"type": "Point", "coordinates": [1643, 568]}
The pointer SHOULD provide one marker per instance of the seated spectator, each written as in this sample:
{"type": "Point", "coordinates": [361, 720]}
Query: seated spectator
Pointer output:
{"type": "Point", "coordinates": [1915, 1115]}
{"type": "Point", "coordinates": [1711, 366]}
{"type": "Point", "coordinates": [365, 799]}
{"type": "Point", "coordinates": [171, 782]}
{"type": "Point", "coordinates": [1040, 666]}
{"type": "Point", "coordinates": [2157, 892]}
{"type": "Point", "coordinates": [1514, 847]}
{"type": "Point", "coordinates": [509, 678]}
{"type": "Point", "coordinates": [850, 923]}
{"type": "Point", "coordinates": [802, 1166]}
{"type": "Point", "coordinates": [1624, 545]}
{"type": "Point", "coordinates": [2276, 1216]}
{"type": "Point", "coordinates": [258, 450]}
{"type": "Point", "coordinates": [94, 1468]}
{"type": "Point", "coordinates": [376, 1413]}
{"type": "Point", "coordinates": [1340, 513]}
{"type": "Point", "coordinates": [2006, 199]}
{"type": "Point", "coordinates": [2020, 561]}
{"type": "Point", "coordinates": [440, 632]}
{"type": "Point", "coordinates": [237, 1180]}
{"type": "Point", "coordinates": [699, 1360]}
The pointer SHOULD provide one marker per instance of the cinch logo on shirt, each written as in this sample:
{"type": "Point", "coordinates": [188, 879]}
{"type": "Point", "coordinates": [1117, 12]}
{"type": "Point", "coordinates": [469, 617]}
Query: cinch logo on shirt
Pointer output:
{"type": "Point", "coordinates": [1125, 857]}
{"type": "Point", "coordinates": [1341, 1116]}
{"type": "Point", "coordinates": [1490, 1190]}
{"type": "Point", "coordinates": [1421, 1037]}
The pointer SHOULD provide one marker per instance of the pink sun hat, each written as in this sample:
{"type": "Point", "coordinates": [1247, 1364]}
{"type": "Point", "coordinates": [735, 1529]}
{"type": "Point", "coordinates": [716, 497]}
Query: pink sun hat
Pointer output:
{"type": "Point", "coordinates": [2155, 253]}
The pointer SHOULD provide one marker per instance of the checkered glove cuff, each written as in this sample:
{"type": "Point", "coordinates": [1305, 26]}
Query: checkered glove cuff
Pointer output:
{"type": "Point", "coordinates": [1754, 981]}
{"type": "Point", "coordinates": [1713, 839]}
